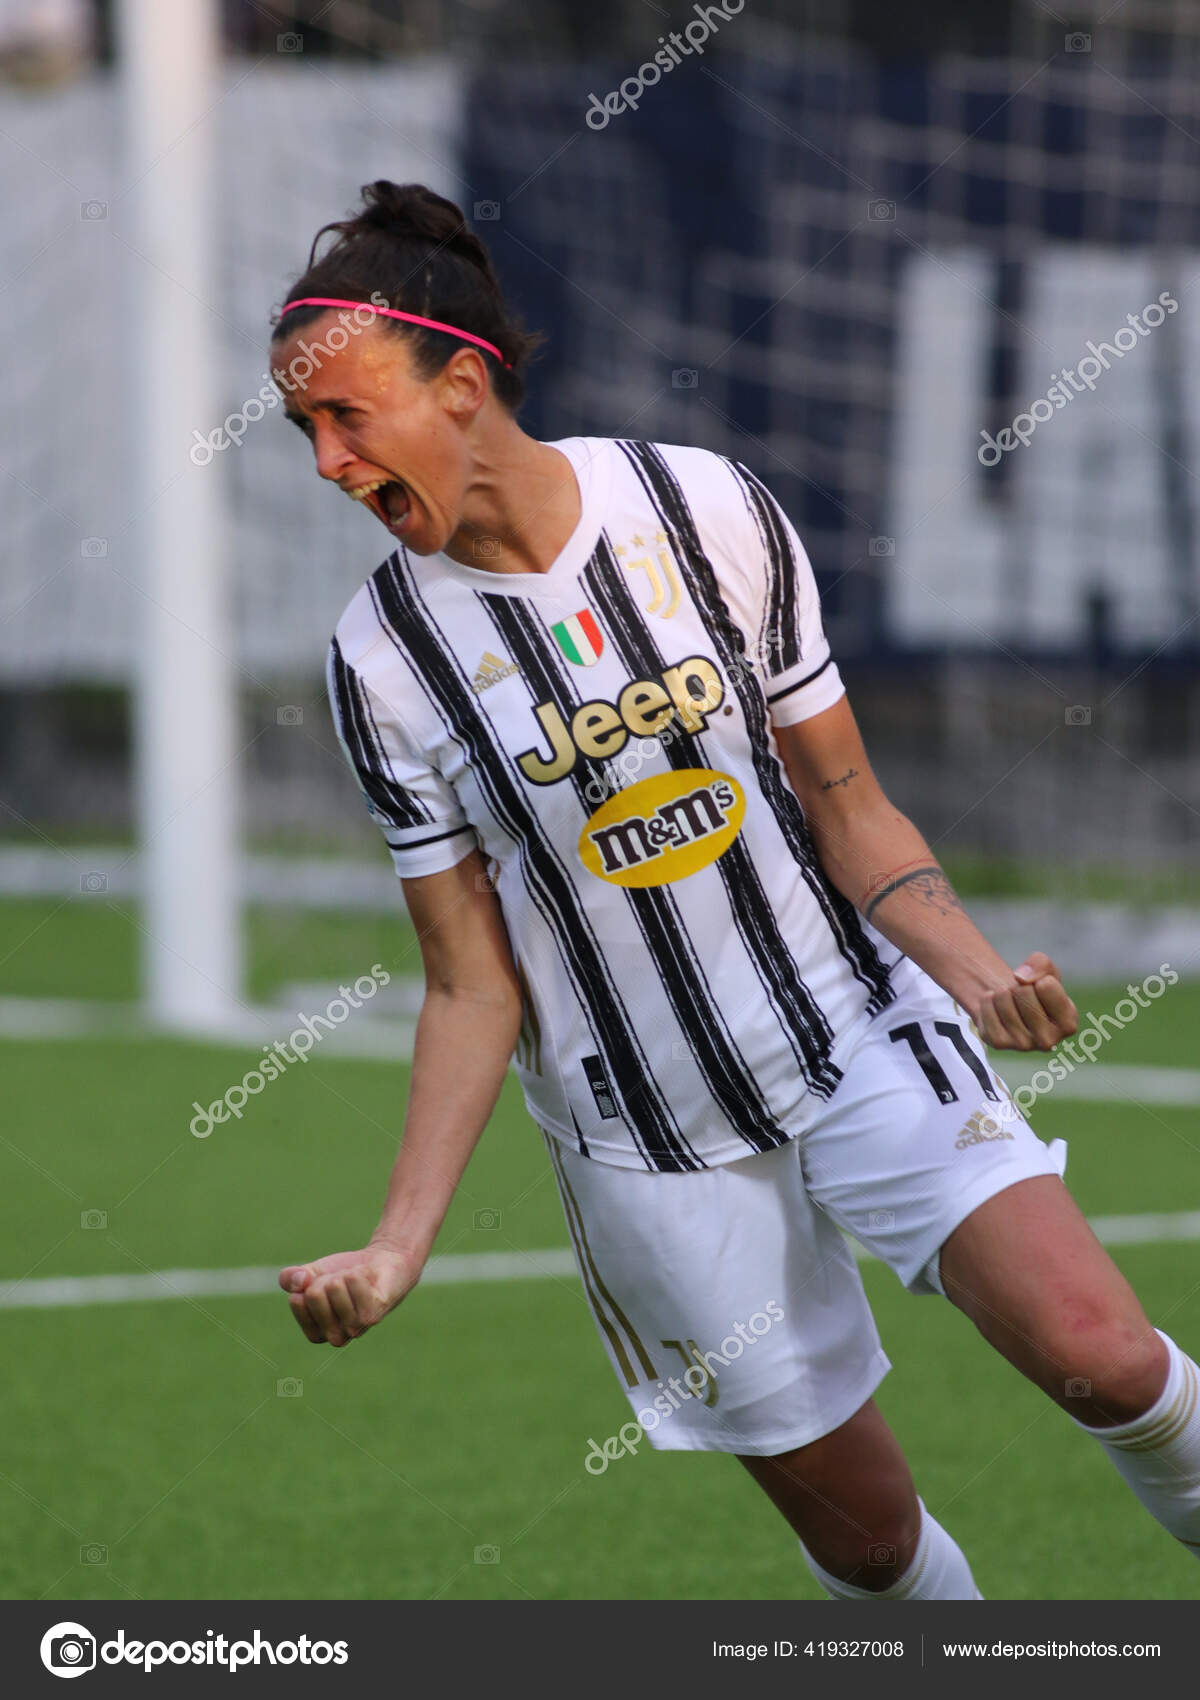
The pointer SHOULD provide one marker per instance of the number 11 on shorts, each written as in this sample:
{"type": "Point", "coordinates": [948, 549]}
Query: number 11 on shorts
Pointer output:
{"type": "Point", "coordinates": [912, 1034]}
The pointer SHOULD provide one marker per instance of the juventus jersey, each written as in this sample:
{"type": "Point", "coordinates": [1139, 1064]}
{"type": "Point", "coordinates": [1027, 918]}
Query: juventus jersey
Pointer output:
{"type": "Point", "coordinates": [603, 731]}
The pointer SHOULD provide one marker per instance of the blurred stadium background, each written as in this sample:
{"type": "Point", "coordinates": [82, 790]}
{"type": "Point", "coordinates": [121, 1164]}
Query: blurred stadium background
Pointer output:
{"type": "Point", "coordinates": [840, 244]}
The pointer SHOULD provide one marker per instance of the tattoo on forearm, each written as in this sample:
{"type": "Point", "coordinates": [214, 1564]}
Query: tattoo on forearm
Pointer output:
{"type": "Point", "coordinates": [930, 887]}
{"type": "Point", "coordinates": [844, 780]}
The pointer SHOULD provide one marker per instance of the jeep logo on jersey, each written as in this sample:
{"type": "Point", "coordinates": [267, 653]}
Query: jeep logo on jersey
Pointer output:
{"type": "Point", "coordinates": [579, 638]}
{"type": "Point", "coordinates": [692, 691]}
{"type": "Point", "coordinates": [663, 828]}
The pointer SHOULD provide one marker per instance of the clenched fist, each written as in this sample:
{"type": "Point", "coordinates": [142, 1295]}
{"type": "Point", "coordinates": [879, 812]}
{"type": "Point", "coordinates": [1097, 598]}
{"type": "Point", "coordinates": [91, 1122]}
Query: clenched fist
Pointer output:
{"type": "Point", "coordinates": [1032, 1013]}
{"type": "Point", "coordinates": [338, 1298]}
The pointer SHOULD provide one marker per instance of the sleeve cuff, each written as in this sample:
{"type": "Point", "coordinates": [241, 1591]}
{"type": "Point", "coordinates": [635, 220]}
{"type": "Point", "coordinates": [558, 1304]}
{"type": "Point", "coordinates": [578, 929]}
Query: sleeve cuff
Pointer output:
{"type": "Point", "coordinates": [804, 691]}
{"type": "Point", "coordinates": [431, 852]}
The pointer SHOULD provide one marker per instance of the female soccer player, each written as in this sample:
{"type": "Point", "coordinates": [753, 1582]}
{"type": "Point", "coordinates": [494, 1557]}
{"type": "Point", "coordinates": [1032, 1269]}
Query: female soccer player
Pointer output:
{"type": "Point", "coordinates": [590, 703]}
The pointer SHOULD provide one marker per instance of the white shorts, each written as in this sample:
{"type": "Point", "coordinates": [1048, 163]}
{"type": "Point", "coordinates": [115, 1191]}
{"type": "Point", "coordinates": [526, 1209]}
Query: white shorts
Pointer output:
{"type": "Point", "coordinates": [729, 1300]}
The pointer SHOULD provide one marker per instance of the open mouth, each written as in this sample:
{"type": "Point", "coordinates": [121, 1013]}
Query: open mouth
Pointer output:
{"type": "Point", "coordinates": [388, 500]}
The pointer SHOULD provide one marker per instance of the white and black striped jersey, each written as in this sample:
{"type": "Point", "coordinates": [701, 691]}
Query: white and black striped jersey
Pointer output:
{"type": "Point", "coordinates": [603, 731]}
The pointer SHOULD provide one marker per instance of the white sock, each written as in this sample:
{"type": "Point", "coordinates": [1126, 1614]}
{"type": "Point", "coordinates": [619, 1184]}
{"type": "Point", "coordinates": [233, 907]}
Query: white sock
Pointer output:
{"type": "Point", "coordinates": [938, 1571]}
{"type": "Point", "coordinates": [1158, 1453]}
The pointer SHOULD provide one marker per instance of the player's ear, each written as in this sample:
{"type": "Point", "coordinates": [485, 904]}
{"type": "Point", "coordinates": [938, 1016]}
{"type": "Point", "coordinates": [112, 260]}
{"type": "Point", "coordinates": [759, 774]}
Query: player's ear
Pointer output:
{"type": "Point", "coordinates": [463, 384]}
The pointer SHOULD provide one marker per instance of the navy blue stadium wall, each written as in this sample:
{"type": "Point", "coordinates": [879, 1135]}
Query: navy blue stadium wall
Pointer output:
{"type": "Point", "coordinates": [750, 223]}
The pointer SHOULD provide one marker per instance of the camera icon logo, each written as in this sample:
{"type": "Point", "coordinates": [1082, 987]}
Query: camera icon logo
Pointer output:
{"type": "Point", "coordinates": [68, 1649]}
{"type": "Point", "coordinates": [289, 715]}
{"type": "Point", "coordinates": [1078, 1387]}
{"type": "Point", "coordinates": [93, 548]}
{"type": "Point", "coordinates": [685, 378]}
{"type": "Point", "coordinates": [93, 1219]}
{"type": "Point", "coordinates": [1077, 43]}
{"type": "Point", "coordinates": [487, 212]}
{"type": "Point", "coordinates": [881, 209]}
{"type": "Point", "coordinates": [882, 1219]}
{"type": "Point", "coordinates": [289, 42]}
{"type": "Point", "coordinates": [878, 547]}
{"type": "Point", "coordinates": [487, 1555]}
{"type": "Point", "coordinates": [93, 209]}
{"type": "Point", "coordinates": [93, 1554]}
{"type": "Point", "coordinates": [488, 1220]}
{"type": "Point", "coordinates": [91, 883]}
{"type": "Point", "coordinates": [486, 546]}
{"type": "Point", "coordinates": [1078, 714]}
{"type": "Point", "coordinates": [881, 1554]}
{"type": "Point", "coordinates": [289, 1387]}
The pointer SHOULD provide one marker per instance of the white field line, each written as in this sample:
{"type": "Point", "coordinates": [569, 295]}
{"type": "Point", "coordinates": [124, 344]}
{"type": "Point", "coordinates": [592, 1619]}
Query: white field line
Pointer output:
{"type": "Point", "coordinates": [376, 1038]}
{"type": "Point", "coordinates": [389, 1038]}
{"type": "Point", "coordinates": [58, 1292]}
{"type": "Point", "coordinates": [1109, 1083]}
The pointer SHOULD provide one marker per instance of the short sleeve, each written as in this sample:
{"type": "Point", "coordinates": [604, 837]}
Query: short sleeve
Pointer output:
{"type": "Point", "coordinates": [786, 640]}
{"type": "Point", "coordinates": [422, 821]}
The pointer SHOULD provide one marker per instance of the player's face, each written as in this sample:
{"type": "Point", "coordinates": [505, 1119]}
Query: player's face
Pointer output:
{"type": "Point", "coordinates": [392, 440]}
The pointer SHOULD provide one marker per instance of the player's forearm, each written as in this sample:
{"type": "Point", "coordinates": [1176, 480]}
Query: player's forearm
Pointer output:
{"type": "Point", "coordinates": [880, 861]}
{"type": "Point", "coordinates": [460, 1055]}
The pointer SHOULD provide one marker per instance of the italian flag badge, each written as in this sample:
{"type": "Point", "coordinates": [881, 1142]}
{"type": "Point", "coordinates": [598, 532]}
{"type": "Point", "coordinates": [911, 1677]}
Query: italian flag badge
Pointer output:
{"type": "Point", "coordinates": [580, 638]}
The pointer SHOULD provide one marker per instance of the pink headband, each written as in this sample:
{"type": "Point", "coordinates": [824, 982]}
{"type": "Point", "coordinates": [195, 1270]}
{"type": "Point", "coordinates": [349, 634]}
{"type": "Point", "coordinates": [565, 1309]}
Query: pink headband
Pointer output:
{"type": "Point", "coordinates": [394, 313]}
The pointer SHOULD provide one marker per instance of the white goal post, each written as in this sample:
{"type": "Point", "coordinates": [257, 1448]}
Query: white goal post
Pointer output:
{"type": "Point", "coordinates": [185, 695]}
